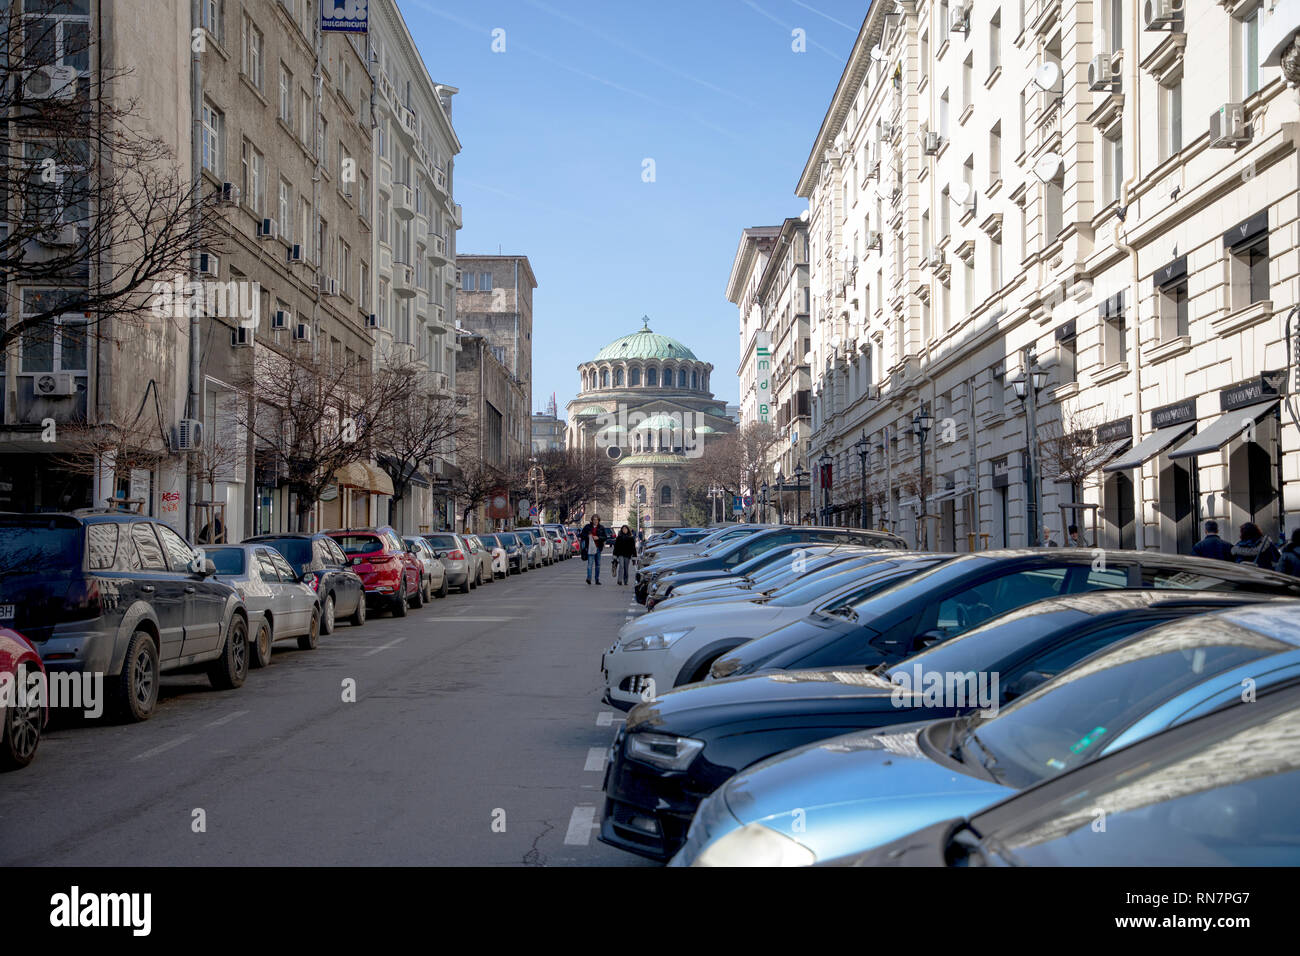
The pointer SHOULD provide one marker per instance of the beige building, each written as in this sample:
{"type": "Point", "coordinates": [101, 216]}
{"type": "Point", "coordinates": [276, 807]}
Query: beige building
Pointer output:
{"type": "Point", "coordinates": [747, 267]}
{"type": "Point", "coordinates": [785, 298]}
{"type": "Point", "coordinates": [1067, 181]}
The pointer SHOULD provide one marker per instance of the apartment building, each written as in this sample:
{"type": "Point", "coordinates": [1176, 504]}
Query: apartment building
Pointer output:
{"type": "Point", "coordinates": [784, 298]}
{"type": "Point", "coordinates": [754, 368]}
{"type": "Point", "coordinates": [1073, 202]}
{"type": "Point", "coordinates": [415, 224]}
{"type": "Point", "coordinates": [488, 399]}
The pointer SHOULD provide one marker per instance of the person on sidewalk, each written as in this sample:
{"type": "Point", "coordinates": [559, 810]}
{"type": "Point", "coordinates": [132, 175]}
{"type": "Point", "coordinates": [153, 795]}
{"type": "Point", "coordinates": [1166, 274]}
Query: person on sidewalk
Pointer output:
{"type": "Point", "coordinates": [1254, 548]}
{"type": "Point", "coordinates": [1289, 563]}
{"type": "Point", "coordinates": [593, 542]}
{"type": "Point", "coordinates": [1075, 540]}
{"type": "Point", "coordinates": [1212, 546]}
{"type": "Point", "coordinates": [624, 552]}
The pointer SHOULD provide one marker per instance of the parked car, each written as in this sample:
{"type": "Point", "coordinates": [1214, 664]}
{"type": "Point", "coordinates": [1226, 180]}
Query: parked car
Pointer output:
{"type": "Point", "coordinates": [1216, 791]}
{"type": "Point", "coordinates": [500, 555]}
{"type": "Point", "coordinates": [481, 558]}
{"type": "Point", "coordinates": [279, 601]}
{"type": "Point", "coordinates": [575, 544]}
{"type": "Point", "coordinates": [532, 548]}
{"type": "Point", "coordinates": [669, 648]}
{"type": "Point", "coordinates": [738, 722]}
{"type": "Point", "coordinates": [559, 546]}
{"type": "Point", "coordinates": [514, 551]}
{"type": "Point", "coordinates": [454, 554]}
{"type": "Point", "coordinates": [799, 566]}
{"type": "Point", "coordinates": [122, 595]}
{"type": "Point", "coordinates": [433, 576]}
{"type": "Point", "coordinates": [660, 557]}
{"type": "Point", "coordinates": [389, 573]}
{"type": "Point", "coordinates": [857, 792]}
{"type": "Point", "coordinates": [544, 550]}
{"type": "Point", "coordinates": [338, 587]}
{"type": "Point", "coordinates": [22, 716]}
{"type": "Point", "coordinates": [951, 599]}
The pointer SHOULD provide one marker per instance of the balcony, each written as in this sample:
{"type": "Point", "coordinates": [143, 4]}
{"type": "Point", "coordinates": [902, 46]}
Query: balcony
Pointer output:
{"type": "Point", "coordinates": [407, 126]}
{"type": "Point", "coordinates": [438, 250]}
{"type": "Point", "coordinates": [403, 200]}
{"type": "Point", "coordinates": [403, 280]}
{"type": "Point", "coordinates": [385, 178]}
{"type": "Point", "coordinates": [438, 318]}
{"type": "Point", "coordinates": [440, 180]}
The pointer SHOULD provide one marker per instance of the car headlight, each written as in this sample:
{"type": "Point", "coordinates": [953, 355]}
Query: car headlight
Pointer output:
{"type": "Point", "coordinates": [755, 845]}
{"type": "Point", "coordinates": [656, 642]}
{"type": "Point", "coordinates": [666, 751]}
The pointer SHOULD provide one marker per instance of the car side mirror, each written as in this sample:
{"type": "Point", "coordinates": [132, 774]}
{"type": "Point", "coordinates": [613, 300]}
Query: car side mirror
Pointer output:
{"type": "Point", "coordinates": [929, 639]}
{"type": "Point", "coordinates": [1024, 684]}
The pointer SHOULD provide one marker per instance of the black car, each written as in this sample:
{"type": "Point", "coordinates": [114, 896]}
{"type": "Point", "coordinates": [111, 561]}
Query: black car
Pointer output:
{"type": "Point", "coordinates": [742, 574]}
{"type": "Point", "coordinates": [962, 593]}
{"type": "Point", "coordinates": [1216, 791]}
{"type": "Point", "coordinates": [335, 583]}
{"type": "Point", "coordinates": [720, 728]}
{"type": "Point", "coordinates": [122, 595]}
{"type": "Point", "coordinates": [514, 550]}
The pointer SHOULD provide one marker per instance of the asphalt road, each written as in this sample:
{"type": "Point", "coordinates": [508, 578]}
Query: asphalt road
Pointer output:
{"type": "Point", "coordinates": [477, 737]}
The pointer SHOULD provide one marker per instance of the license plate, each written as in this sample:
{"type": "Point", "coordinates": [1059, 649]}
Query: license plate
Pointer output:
{"type": "Point", "coordinates": [6, 612]}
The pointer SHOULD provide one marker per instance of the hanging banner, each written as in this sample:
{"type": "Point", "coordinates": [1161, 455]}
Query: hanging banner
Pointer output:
{"type": "Point", "coordinates": [344, 16]}
{"type": "Point", "coordinates": [763, 380]}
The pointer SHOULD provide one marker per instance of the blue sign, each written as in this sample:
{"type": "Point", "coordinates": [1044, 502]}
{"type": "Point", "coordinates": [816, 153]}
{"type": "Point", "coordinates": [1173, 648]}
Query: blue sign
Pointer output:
{"type": "Point", "coordinates": [532, 512]}
{"type": "Point", "coordinates": [344, 16]}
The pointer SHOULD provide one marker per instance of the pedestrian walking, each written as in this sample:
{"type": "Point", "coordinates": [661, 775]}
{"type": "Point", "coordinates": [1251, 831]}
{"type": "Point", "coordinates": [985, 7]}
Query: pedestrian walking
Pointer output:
{"type": "Point", "coordinates": [593, 543]}
{"type": "Point", "coordinates": [1254, 548]}
{"type": "Point", "coordinates": [1212, 546]}
{"type": "Point", "coordinates": [624, 552]}
{"type": "Point", "coordinates": [1289, 563]}
{"type": "Point", "coordinates": [1075, 541]}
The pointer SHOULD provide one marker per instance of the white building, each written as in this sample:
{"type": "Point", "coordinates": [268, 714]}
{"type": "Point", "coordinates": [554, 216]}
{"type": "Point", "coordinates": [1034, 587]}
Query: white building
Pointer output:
{"type": "Point", "coordinates": [1063, 178]}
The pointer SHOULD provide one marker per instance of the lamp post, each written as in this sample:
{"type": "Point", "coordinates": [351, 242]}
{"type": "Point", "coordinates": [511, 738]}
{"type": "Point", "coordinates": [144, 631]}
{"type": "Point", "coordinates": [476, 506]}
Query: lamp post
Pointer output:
{"type": "Point", "coordinates": [921, 424]}
{"type": "Point", "coordinates": [825, 461]}
{"type": "Point", "coordinates": [799, 476]}
{"type": "Point", "coordinates": [763, 495]}
{"type": "Point", "coordinates": [862, 448]}
{"type": "Point", "coordinates": [780, 494]}
{"type": "Point", "coordinates": [1027, 386]}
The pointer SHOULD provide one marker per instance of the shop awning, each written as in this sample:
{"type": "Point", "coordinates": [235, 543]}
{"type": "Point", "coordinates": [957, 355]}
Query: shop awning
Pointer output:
{"type": "Point", "coordinates": [367, 477]}
{"type": "Point", "coordinates": [1149, 447]}
{"type": "Point", "coordinates": [1229, 426]}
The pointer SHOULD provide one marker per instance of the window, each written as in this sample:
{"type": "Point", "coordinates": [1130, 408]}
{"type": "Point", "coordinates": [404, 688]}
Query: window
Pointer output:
{"type": "Point", "coordinates": [322, 142]}
{"type": "Point", "coordinates": [345, 175]}
{"type": "Point", "coordinates": [1053, 209]}
{"type": "Point", "coordinates": [179, 554]}
{"type": "Point", "coordinates": [383, 304]}
{"type": "Point", "coordinates": [995, 153]}
{"type": "Point", "coordinates": [1171, 119]}
{"type": "Point", "coordinates": [149, 552]}
{"type": "Point", "coordinates": [968, 285]}
{"type": "Point", "coordinates": [622, 495]}
{"type": "Point", "coordinates": [306, 116]}
{"type": "Point", "coordinates": [304, 223]}
{"type": "Point", "coordinates": [1246, 53]}
{"type": "Point", "coordinates": [251, 167]}
{"type": "Point", "coordinates": [995, 41]}
{"type": "Point", "coordinates": [618, 378]}
{"type": "Point", "coordinates": [666, 495]}
{"type": "Point", "coordinates": [213, 137]}
{"type": "Point", "coordinates": [485, 282]}
{"type": "Point", "coordinates": [943, 114]}
{"type": "Point", "coordinates": [973, 606]}
{"type": "Point", "coordinates": [634, 376]}
{"type": "Point", "coordinates": [285, 211]}
{"type": "Point", "coordinates": [467, 282]}
{"type": "Point", "coordinates": [382, 222]}
{"type": "Point", "coordinates": [251, 63]}
{"type": "Point", "coordinates": [967, 82]}
{"type": "Point", "coordinates": [681, 378]}
{"type": "Point", "coordinates": [363, 185]}
{"type": "Point", "coordinates": [1112, 166]}
{"type": "Point", "coordinates": [363, 284]}
{"type": "Point", "coordinates": [604, 378]}
{"type": "Point", "coordinates": [210, 17]}
{"type": "Point", "coordinates": [640, 494]}
{"type": "Point", "coordinates": [1067, 357]}
{"type": "Point", "coordinates": [345, 266]}
{"type": "Point", "coordinates": [1171, 305]}
{"type": "Point", "coordinates": [286, 96]}
{"type": "Point", "coordinates": [1114, 331]}
{"type": "Point", "coordinates": [58, 345]}
{"type": "Point", "coordinates": [1248, 269]}
{"type": "Point", "coordinates": [61, 198]}
{"type": "Point", "coordinates": [652, 377]}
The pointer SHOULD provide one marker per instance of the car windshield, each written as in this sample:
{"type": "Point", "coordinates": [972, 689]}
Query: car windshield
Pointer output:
{"type": "Point", "coordinates": [993, 640]}
{"type": "Point", "coordinates": [490, 540]}
{"type": "Point", "coordinates": [1072, 718]}
{"type": "Point", "coordinates": [41, 546]}
{"type": "Point", "coordinates": [931, 580]}
{"type": "Point", "coordinates": [359, 543]}
{"type": "Point", "coordinates": [508, 540]}
{"type": "Point", "coordinates": [441, 541]}
{"type": "Point", "coordinates": [296, 550]}
{"type": "Point", "coordinates": [226, 560]}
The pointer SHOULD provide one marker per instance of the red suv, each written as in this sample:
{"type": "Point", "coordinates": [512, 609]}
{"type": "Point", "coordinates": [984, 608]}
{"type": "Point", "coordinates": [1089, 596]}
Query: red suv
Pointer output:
{"type": "Point", "coordinates": [389, 573]}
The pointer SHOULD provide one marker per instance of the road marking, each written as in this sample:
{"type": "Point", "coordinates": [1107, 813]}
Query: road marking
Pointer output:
{"type": "Point", "coordinates": [607, 717]}
{"type": "Point", "coordinates": [596, 759]}
{"type": "Point", "coordinates": [163, 748]}
{"type": "Point", "coordinates": [474, 620]}
{"type": "Point", "coordinates": [383, 647]}
{"type": "Point", "coordinates": [581, 823]}
{"type": "Point", "coordinates": [226, 719]}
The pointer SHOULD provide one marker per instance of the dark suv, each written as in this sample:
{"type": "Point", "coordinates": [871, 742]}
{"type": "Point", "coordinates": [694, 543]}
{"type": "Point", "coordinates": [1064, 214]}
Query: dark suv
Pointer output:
{"type": "Point", "coordinates": [121, 595]}
{"type": "Point", "coordinates": [338, 586]}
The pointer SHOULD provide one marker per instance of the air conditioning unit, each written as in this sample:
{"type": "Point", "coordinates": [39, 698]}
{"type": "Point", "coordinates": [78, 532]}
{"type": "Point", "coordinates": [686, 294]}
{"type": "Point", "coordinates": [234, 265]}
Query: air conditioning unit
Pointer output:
{"type": "Point", "coordinates": [890, 130]}
{"type": "Point", "coordinates": [1228, 127]}
{"type": "Point", "coordinates": [241, 337]}
{"type": "Point", "coordinates": [302, 332]}
{"type": "Point", "coordinates": [229, 194]}
{"type": "Point", "coordinates": [873, 392]}
{"type": "Point", "coordinates": [935, 259]}
{"type": "Point", "coordinates": [372, 321]}
{"type": "Point", "coordinates": [61, 234]}
{"type": "Point", "coordinates": [959, 16]}
{"type": "Point", "coordinates": [54, 385]}
{"type": "Point", "coordinates": [329, 285]}
{"type": "Point", "coordinates": [50, 83]}
{"type": "Point", "coordinates": [932, 142]}
{"type": "Point", "coordinates": [1159, 14]}
{"type": "Point", "coordinates": [209, 265]}
{"type": "Point", "coordinates": [280, 319]}
{"type": "Point", "coordinates": [873, 240]}
{"type": "Point", "coordinates": [269, 229]}
{"type": "Point", "coordinates": [187, 435]}
{"type": "Point", "coordinates": [294, 253]}
{"type": "Point", "coordinates": [1104, 72]}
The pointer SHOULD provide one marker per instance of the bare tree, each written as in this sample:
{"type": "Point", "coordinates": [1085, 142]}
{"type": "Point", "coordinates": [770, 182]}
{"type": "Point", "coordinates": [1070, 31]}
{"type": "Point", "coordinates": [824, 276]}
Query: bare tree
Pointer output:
{"type": "Point", "coordinates": [736, 462]}
{"type": "Point", "coordinates": [574, 476]}
{"type": "Point", "coordinates": [417, 425]}
{"type": "Point", "coordinates": [1070, 450]}
{"type": "Point", "coordinates": [474, 481]}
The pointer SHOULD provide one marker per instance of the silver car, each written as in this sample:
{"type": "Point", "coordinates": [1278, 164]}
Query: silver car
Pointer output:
{"type": "Point", "coordinates": [280, 604]}
{"type": "Point", "coordinates": [454, 555]}
{"type": "Point", "coordinates": [481, 560]}
{"type": "Point", "coordinates": [433, 576]}
{"type": "Point", "coordinates": [532, 547]}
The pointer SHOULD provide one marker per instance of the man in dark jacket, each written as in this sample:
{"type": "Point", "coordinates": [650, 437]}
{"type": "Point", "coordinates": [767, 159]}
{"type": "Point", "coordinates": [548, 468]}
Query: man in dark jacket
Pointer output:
{"type": "Point", "coordinates": [1289, 563]}
{"type": "Point", "coordinates": [1212, 546]}
{"type": "Point", "coordinates": [592, 543]}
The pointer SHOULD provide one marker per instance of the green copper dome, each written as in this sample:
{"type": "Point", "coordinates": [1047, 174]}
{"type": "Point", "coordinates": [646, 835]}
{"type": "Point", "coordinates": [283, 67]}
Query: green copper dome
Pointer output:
{"type": "Point", "coordinates": [645, 345]}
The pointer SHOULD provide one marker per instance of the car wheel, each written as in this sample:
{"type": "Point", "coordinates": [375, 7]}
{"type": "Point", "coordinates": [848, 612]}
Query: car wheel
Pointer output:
{"type": "Point", "coordinates": [327, 615]}
{"type": "Point", "coordinates": [262, 644]}
{"type": "Point", "coordinates": [359, 615]}
{"type": "Point", "coordinates": [417, 599]}
{"type": "Point", "coordinates": [426, 591]}
{"type": "Point", "coordinates": [443, 589]}
{"type": "Point", "coordinates": [229, 670]}
{"type": "Point", "coordinates": [464, 588]}
{"type": "Point", "coordinates": [308, 641]}
{"type": "Point", "coordinates": [136, 689]}
{"type": "Point", "coordinates": [21, 734]}
{"type": "Point", "coordinates": [399, 606]}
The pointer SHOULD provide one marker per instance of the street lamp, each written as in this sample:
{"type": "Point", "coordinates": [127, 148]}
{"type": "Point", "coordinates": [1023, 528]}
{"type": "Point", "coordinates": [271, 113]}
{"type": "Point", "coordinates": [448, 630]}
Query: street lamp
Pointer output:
{"type": "Point", "coordinates": [780, 493]}
{"type": "Point", "coordinates": [862, 448]}
{"type": "Point", "coordinates": [825, 461]}
{"type": "Point", "coordinates": [921, 424]}
{"type": "Point", "coordinates": [1027, 386]}
{"type": "Point", "coordinates": [763, 491]}
{"type": "Point", "coordinates": [799, 476]}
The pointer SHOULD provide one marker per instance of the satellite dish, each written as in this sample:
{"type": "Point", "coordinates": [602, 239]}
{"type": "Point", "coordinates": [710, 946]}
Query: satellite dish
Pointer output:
{"type": "Point", "coordinates": [1047, 76]}
{"type": "Point", "coordinates": [807, 358]}
{"type": "Point", "coordinates": [803, 216]}
{"type": "Point", "coordinates": [960, 193]}
{"type": "Point", "coordinates": [877, 53]}
{"type": "Point", "coordinates": [1047, 167]}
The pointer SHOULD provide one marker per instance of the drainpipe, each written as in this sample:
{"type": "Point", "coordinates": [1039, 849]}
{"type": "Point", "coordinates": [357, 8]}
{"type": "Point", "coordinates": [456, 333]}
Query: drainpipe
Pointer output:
{"type": "Point", "coordinates": [1134, 136]}
{"type": "Point", "coordinates": [192, 403]}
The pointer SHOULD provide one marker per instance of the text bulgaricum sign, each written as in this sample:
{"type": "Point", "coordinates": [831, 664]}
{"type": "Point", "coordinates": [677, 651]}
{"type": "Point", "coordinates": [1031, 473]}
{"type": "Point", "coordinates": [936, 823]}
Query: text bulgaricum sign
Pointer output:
{"type": "Point", "coordinates": [344, 16]}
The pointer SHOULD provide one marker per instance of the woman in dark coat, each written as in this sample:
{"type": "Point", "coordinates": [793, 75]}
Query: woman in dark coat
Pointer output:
{"type": "Point", "coordinates": [1254, 548]}
{"type": "Point", "coordinates": [624, 552]}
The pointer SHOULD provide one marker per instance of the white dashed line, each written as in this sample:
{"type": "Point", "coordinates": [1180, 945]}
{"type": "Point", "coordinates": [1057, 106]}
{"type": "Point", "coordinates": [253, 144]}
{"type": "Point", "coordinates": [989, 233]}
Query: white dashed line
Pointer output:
{"type": "Point", "coordinates": [458, 620]}
{"type": "Point", "coordinates": [581, 823]}
{"type": "Point", "coordinates": [226, 719]}
{"type": "Point", "coordinates": [607, 718]}
{"type": "Point", "coordinates": [595, 759]}
{"type": "Point", "coordinates": [383, 647]}
{"type": "Point", "coordinates": [163, 748]}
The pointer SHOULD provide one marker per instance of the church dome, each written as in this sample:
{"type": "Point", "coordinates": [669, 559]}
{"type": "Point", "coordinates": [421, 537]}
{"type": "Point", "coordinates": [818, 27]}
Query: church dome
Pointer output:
{"type": "Point", "coordinates": [645, 344]}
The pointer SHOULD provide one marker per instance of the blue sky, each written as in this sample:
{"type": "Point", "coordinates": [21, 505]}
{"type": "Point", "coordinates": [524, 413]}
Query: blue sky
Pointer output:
{"type": "Point", "coordinates": [555, 131]}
